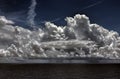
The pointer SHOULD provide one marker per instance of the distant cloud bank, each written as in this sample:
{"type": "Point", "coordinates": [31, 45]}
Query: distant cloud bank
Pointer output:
{"type": "Point", "coordinates": [79, 38]}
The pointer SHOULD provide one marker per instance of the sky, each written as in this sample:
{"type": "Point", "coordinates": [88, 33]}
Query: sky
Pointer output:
{"type": "Point", "coordinates": [103, 12]}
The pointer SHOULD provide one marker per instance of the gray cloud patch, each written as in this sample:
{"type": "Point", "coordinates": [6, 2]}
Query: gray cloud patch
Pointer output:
{"type": "Point", "coordinates": [32, 13]}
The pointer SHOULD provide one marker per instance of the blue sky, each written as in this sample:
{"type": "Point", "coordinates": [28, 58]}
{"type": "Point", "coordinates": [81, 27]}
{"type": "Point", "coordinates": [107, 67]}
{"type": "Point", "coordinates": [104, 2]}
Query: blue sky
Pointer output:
{"type": "Point", "coordinates": [103, 12]}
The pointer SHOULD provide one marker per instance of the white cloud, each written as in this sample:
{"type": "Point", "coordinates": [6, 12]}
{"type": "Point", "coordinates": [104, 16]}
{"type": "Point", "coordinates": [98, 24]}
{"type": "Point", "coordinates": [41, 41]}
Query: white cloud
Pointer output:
{"type": "Point", "coordinates": [78, 38]}
{"type": "Point", "coordinates": [4, 21]}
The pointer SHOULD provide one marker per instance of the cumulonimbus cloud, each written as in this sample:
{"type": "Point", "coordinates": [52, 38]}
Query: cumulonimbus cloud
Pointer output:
{"type": "Point", "coordinates": [79, 38]}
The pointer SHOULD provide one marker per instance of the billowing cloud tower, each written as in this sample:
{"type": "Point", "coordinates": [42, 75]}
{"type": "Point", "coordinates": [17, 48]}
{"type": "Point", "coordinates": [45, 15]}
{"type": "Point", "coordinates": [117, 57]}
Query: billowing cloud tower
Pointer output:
{"type": "Point", "coordinates": [79, 38]}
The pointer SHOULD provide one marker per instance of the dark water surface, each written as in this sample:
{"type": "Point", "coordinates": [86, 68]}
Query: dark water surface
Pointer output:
{"type": "Point", "coordinates": [59, 71]}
